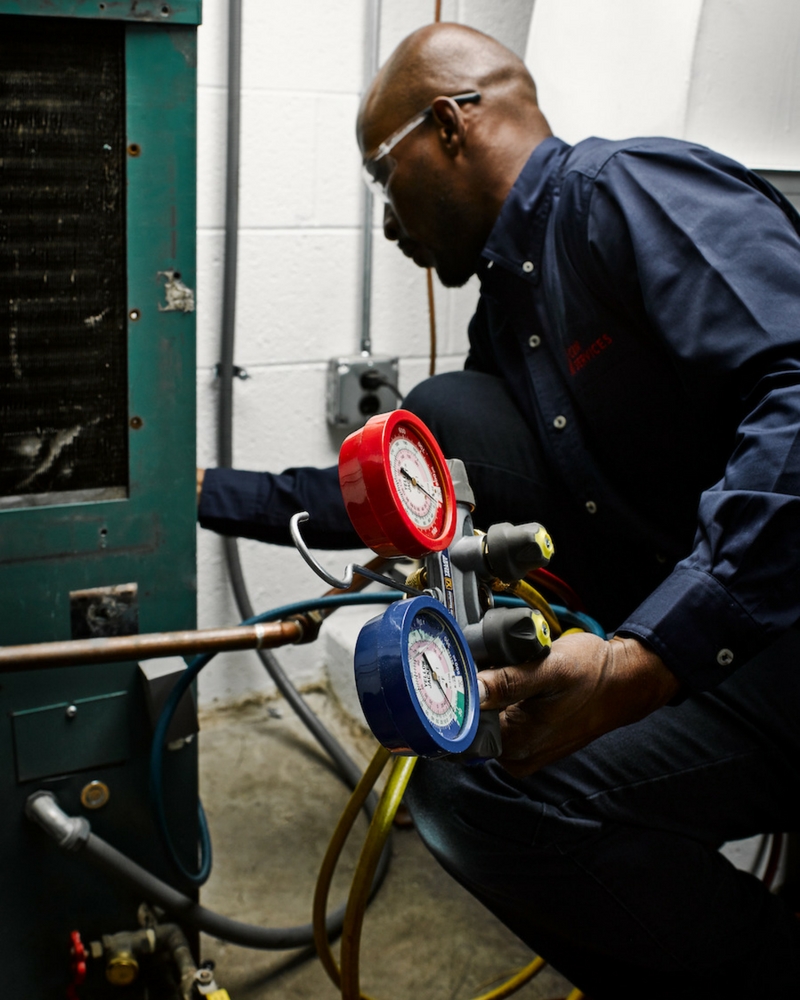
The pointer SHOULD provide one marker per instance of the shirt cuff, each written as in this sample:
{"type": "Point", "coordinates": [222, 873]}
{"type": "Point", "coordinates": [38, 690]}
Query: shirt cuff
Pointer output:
{"type": "Point", "coordinates": [260, 505]}
{"type": "Point", "coordinates": [697, 628]}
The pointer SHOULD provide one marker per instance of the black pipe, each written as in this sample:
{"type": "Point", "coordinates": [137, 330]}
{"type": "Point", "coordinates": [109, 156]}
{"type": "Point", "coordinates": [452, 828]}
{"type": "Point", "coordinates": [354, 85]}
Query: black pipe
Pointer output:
{"type": "Point", "coordinates": [73, 834]}
{"type": "Point", "coordinates": [344, 764]}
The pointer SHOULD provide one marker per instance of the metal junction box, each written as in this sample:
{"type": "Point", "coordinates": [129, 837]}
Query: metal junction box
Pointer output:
{"type": "Point", "coordinates": [358, 387]}
{"type": "Point", "coordinates": [97, 443]}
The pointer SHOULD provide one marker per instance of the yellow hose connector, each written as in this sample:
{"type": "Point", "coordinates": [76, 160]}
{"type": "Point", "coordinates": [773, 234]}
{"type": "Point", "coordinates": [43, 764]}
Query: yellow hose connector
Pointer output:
{"type": "Point", "coordinates": [531, 596]}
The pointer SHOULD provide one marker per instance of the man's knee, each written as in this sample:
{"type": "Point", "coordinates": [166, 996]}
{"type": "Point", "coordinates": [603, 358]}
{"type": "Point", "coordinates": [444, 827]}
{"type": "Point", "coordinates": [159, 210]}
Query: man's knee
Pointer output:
{"type": "Point", "coordinates": [446, 403]}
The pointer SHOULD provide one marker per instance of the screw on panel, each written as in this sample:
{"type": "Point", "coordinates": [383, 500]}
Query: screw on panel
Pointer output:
{"type": "Point", "coordinates": [72, 711]}
{"type": "Point", "coordinates": [134, 149]}
{"type": "Point", "coordinates": [134, 315]}
{"type": "Point", "coordinates": [136, 423]}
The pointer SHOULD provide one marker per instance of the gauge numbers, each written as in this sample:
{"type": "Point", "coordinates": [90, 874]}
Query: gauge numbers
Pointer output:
{"type": "Point", "coordinates": [436, 673]}
{"type": "Point", "coordinates": [416, 679]}
{"type": "Point", "coordinates": [416, 482]}
{"type": "Point", "coordinates": [396, 486]}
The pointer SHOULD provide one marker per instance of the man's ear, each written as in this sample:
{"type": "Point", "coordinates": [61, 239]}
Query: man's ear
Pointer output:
{"type": "Point", "coordinates": [451, 123]}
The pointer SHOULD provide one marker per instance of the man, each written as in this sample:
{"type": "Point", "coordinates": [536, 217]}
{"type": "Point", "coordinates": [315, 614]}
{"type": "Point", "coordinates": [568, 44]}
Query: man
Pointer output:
{"type": "Point", "coordinates": [633, 382]}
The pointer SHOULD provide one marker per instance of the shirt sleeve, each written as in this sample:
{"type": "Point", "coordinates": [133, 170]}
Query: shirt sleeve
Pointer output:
{"type": "Point", "coordinates": [714, 255]}
{"type": "Point", "coordinates": [260, 505]}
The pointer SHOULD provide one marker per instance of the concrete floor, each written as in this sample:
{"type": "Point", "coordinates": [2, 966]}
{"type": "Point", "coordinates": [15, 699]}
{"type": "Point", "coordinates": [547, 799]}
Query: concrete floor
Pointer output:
{"type": "Point", "coordinates": [272, 804]}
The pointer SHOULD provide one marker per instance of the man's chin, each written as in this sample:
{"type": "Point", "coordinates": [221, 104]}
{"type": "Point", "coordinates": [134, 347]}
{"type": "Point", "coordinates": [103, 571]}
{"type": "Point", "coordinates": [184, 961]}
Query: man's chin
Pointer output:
{"type": "Point", "coordinates": [451, 277]}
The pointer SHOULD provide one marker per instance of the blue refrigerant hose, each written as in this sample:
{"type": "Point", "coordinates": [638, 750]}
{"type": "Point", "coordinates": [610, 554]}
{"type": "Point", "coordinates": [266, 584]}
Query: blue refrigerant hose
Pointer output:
{"type": "Point", "coordinates": [572, 619]}
{"type": "Point", "coordinates": [200, 876]}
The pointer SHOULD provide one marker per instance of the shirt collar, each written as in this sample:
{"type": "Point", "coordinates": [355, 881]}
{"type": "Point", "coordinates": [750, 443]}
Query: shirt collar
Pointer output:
{"type": "Point", "coordinates": [517, 237]}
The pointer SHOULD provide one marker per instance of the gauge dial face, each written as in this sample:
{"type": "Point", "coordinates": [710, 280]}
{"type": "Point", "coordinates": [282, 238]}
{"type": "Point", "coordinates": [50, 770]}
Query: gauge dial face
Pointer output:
{"type": "Point", "coordinates": [396, 486]}
{"type": "Point", "coordinates": [416, 480]}
{"type": "Point", "coordinates": [437, 673]}
{"type": "Point", "coordinates": [416, 679]}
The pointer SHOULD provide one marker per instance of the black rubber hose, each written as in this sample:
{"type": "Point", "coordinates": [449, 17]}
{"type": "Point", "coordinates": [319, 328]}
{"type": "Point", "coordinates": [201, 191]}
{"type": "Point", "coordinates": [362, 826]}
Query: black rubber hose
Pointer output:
{"type": "Point", "coordinates": [343, 762]}
{"type": "Point", "coordinates": [341, 759]}
{"type": "Point", "coordinates": [224, 435]}
{"type": "Point", "coordinates": [194, 915]}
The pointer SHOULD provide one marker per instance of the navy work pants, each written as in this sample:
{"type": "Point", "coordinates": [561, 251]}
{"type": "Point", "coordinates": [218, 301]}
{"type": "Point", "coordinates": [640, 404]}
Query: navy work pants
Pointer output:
{"type": "Point", "coordinates": [607, 862]}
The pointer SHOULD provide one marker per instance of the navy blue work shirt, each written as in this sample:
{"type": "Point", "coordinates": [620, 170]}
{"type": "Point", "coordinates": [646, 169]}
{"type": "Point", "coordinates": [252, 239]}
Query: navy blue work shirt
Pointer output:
{"type": "Point", "coordinates": [641, 300]}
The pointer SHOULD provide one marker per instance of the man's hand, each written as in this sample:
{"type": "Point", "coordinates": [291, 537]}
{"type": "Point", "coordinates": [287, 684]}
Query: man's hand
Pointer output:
{"type": "Point", "coordinates": [584, 688]}
{"type": "Point", "coordinates": [200, 476]}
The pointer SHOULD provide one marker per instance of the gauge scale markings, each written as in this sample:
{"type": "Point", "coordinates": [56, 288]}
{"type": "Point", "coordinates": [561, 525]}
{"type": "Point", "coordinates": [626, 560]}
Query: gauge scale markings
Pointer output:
{"type": "Point", "coordinates": [436, 675]}
{"type": "Point", "coordinates": [396, 486]}
{"type": "Point", "coordinates": [416, 679]}
{"type": "Point", "coordinates": [415, 482]}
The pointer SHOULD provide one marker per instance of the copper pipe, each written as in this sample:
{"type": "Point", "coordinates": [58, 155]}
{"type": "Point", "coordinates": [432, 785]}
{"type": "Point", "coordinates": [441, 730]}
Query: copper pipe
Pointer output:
{"type": "Point", "coordinates": [38, 656]}
{"type": "Point", "coordinates": [432, 322]}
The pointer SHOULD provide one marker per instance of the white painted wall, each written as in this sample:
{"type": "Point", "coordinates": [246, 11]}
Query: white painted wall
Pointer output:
{"type": "Point", "coordinates": [725, 73]}
{"type": "Point", "coordinates": [299, 268]}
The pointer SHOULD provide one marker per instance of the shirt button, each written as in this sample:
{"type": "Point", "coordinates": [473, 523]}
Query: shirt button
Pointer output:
{"type": "Point", "coordinates": [528, 266]}
{"type": "Point", "coordinates": [560, 423]}
{"type": "Point", "coordinates": [724, 657]}
{"type": "Point", "coordinates": [591, 506]}
{"type": "Point", "coordinates": [534, 340]}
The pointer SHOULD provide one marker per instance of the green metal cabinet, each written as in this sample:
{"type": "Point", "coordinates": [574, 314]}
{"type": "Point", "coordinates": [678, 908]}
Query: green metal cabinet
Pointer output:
{"type": "Point", "coordinates": [97, 441]}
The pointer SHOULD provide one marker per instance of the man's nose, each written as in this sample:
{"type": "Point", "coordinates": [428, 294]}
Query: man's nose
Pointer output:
{"type": "Point", "coordinates": [391, 227]}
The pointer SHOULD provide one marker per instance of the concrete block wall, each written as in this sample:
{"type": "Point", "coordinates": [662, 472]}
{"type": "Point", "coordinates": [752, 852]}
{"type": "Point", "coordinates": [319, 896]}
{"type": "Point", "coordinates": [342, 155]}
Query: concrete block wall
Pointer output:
{"type": "Point", "coordinates": [299, 289]}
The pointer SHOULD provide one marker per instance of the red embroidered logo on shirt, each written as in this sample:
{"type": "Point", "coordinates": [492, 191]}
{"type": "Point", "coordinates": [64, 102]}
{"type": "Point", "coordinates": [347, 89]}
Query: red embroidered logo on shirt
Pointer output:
{"type": "Point", "coordinates": [579, 357]}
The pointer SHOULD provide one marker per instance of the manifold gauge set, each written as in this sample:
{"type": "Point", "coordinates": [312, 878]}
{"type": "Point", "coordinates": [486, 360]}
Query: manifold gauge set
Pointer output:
{"type": "Point", "coordinates": [416, 664]}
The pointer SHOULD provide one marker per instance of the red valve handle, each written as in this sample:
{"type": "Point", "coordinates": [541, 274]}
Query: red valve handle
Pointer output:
{"type": "Point", "coordinates": [78, 955]}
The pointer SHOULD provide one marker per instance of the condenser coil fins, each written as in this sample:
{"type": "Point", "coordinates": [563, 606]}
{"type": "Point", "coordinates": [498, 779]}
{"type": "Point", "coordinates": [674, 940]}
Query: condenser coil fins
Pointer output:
{"type": "Point", "coordinates": [63, 324]}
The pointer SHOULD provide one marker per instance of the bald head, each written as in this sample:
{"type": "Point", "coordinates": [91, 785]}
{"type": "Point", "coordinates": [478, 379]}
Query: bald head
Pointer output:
{"type": "Point", "coordinates": [445, 174]}
{"type": "Point", "coordinates": [447, 59]}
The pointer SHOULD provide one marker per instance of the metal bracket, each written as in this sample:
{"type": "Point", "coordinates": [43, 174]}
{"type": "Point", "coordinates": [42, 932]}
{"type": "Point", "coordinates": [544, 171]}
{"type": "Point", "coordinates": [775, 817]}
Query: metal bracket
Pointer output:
{"type": "Point", "coordinates": [236, 372]}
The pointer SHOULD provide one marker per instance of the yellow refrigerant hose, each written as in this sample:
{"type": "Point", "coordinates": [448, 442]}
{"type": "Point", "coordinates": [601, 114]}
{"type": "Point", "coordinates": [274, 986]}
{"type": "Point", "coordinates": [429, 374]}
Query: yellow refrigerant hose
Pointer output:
{"type": "Point", "coordinates": [347, 977]}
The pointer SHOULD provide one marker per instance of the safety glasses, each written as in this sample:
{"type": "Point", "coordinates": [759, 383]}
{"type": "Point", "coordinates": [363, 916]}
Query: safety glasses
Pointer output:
{"type": "Point", "coordinates": [378, 167]}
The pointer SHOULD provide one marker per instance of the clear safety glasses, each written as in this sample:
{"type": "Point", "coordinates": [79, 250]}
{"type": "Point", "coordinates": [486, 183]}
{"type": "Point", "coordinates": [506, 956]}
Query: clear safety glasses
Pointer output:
{"type": "Point", "coordinates": [378, 166]}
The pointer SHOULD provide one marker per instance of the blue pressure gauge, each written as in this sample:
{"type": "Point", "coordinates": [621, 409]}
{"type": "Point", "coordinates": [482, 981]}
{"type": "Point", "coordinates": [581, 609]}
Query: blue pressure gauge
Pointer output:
{"type": "Point", "coordinates": [416, 680]}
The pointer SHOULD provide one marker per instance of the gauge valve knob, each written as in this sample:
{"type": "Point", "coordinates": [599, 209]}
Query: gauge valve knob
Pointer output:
{"type": "Point", "coordinates": [511, 551]}
{"type": "Point", "coordinates": [508, 636]}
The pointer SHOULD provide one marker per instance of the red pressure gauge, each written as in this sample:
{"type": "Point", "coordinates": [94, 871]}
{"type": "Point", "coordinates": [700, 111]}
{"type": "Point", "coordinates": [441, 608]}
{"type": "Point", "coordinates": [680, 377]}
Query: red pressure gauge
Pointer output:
{"type": "Point", "coordinates": [397, 487]}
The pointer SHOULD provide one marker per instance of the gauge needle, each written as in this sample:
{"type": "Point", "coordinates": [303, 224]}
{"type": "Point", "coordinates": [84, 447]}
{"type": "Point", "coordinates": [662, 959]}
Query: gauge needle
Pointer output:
{"type": "Point", "coordinates": [419, 486]}
{"type": "Point", "coordinates": [435, 676]}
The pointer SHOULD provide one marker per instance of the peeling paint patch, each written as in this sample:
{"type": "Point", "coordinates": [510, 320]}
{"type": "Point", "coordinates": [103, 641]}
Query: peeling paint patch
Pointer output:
{"type": "Point", "coordinates": [61, 440]}
{"type": "Point", "coordinates": [104, 611]}
{"type": "Point", "coordinates": [180, 298]}
{"type": "Point", "coordinates": [12, 346]}
{"type": "Point", "coordinates": [92, 321]}
{"type": "Point", "coordinates": [187, 46]}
